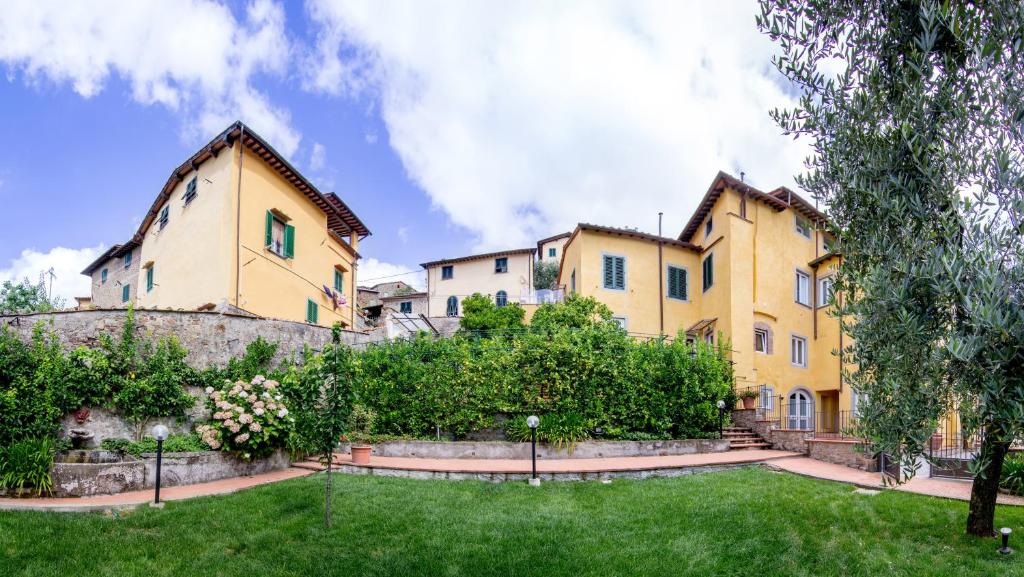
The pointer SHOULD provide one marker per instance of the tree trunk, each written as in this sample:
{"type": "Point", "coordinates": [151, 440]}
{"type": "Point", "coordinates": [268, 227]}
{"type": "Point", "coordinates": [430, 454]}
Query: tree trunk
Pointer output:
{"type": "Point", "coordinates": [982, 512]}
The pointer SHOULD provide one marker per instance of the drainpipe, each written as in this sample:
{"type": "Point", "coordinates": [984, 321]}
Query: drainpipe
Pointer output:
{"type": "Point", "coordinates": [238, 219]}
{"type": "Point", "coordinates": [661, 285]}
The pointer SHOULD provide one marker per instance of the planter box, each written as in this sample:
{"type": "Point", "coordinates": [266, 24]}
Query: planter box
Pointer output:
{"type": "Point", "coordinates": [85, 473]}
{"type": "Point", "coordinates": [200, 467]}
{"type": "Point", "coordinates": [508, 450]}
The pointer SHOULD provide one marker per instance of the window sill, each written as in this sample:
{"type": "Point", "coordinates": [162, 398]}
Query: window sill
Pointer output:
{"type": "Point", "coordinates": [806, 306]}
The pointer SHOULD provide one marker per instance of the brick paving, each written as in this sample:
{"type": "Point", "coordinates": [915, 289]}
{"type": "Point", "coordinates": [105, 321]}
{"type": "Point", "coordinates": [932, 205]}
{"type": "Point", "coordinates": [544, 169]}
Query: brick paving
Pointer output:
{"type": "Point", "coordinates": [133, 499]}
{"type": "Point", "coordinates": [946, 488]}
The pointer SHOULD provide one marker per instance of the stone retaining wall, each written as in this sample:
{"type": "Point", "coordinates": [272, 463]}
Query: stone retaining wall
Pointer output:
{"type": "Point", "coordinates": [841, 452]}
{"type": "Point", "coordinates": [789, 440]}
{"type": "Point", "coordinates": [130, 474]}
{"type": "Point", "coordinates": [507, 450]}
{"type": "Point", "coordinates": [210, 337]}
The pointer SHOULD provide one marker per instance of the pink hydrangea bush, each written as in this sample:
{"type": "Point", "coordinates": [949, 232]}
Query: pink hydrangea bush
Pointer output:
{"type": "Point", "coordinates": [250, 419]}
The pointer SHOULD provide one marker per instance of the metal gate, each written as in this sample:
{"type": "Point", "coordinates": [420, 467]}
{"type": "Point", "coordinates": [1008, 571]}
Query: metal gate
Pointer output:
{"type": "Point", "coordinates": [889, 467]}
{"type": "Point", "coordinates": [951, 450]}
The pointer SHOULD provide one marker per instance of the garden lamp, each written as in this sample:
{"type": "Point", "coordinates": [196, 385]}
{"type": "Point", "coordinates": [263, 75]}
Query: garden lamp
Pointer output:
{"type": "Point", "coordinates": [160, 433]}
{"type": "Point", "coordinates": [1005, 532]}
{"type": "Point", "coordinates": [533, 421]}
{"type": "Point", "coordinates": [721, 416]}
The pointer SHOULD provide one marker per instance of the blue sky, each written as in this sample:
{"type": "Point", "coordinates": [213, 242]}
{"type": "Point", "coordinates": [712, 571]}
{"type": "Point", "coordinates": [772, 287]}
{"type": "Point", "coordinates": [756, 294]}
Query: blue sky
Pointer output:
{"type": "Point", "coordinates": [449, 127]}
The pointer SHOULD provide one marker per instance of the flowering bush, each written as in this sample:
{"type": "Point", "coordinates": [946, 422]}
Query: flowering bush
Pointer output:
{"type": "Point", "coordinates": [248, 418]}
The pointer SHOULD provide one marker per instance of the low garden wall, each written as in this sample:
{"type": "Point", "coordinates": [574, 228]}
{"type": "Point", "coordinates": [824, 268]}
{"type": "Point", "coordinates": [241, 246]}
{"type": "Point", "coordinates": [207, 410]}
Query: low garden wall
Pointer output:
{"type": "Point", "coordinates": [842, 452]}
{"type": "Point", "coordinates": [789, 440]}
{"type": "Point", "coordinates": [212, 338]}
{"type": "Point", "coordinates": [581, 450]}
{"type": "Point", "coordinates": [85, 473]}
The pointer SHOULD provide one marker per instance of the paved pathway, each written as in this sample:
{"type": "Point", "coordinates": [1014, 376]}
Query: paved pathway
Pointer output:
{"type": "Point", "coordinates": [947, 488]}
{"type": "Point", "coordinates": [133, 499]}
{"type": "Point", "coordinates": [608, 464]}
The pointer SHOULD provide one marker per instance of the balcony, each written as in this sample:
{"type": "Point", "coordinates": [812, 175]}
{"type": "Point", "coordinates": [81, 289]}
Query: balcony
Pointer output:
{"type": "Point", "coordinates": [540, 297]}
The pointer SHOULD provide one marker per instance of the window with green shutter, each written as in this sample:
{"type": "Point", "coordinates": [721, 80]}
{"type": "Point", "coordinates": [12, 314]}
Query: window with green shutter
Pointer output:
{"type": "Point", "coordinates": [339, 281]}
{"type": "Point", "coordinates": [614, 270]}
{"type": "Point", "coordinates": [126, 292]}
{"type": "Point", "coordinates": [165, 213]}
{"type": "Point", "coordinates": [149, 279]}
{"type": "Point", "coordinates": [279, 236]}
{"type": "Point", "coordinates": [103, 276]}
{"type": "Point", "coordinates": [677, 283]}
{"type": "Point", "coordinates": [708, 272]}
{"type": "Point", "coordinates": [190, 191]}
{"type": "Point", "coordinates": [312, 311]}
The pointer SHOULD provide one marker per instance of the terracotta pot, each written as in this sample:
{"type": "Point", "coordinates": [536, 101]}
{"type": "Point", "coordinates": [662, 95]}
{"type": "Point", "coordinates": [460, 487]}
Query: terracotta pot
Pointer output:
{"type": "Point", "coordinates": [936, 441]}
{"type": "Point", "coordinates": [748, 402]}
{"type": "Point", "coordinates": [361, 454]}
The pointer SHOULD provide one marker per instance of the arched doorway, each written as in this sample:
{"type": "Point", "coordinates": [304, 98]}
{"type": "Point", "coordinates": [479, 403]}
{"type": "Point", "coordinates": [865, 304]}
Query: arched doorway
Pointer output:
{"type": "Point", "coordinates": [800, 410]}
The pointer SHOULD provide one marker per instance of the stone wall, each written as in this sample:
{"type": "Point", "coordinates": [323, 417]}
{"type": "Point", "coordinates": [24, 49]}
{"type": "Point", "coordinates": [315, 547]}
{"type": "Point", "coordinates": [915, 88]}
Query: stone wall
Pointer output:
{"type": "Point", "coordinates": [789, 440]}
{"type": "Point", "coordinates": [210, 337]}
{"type": "Point", "coordinates": [104, 423]}
{"type": "Point", "coordinates": [841, 452]}
{"type": "Point", "coordinates": [508, 450]}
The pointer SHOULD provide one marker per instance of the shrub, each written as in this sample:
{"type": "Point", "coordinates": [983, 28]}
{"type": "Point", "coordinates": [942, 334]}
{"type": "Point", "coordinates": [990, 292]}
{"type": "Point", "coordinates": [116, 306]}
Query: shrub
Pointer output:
{"type": "Point", "coordinates": [158, 391]}
{"type": "Point", "coordinates": [1012, 478]}
{"type": "Point", "coordinates": [481, 316]}
{"type": "Point", "coordinates": [174, 443]}
{"type": "Point", "coordinates": [116, 445]}
{"type": "Point", "coordinates": [560, 430]}
{"type": "Point", "coordinates": [250, 419]}
{"type": "Point", "coordinates": [26, 464]}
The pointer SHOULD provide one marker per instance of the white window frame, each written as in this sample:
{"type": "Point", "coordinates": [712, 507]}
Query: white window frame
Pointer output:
{"type": "Point", "coordinates": [623, 322]}
{"type": "Point", "coordinates": [824, 291]}
{"type": "Point", "coordinates": [806, 231]}
{"type": "Point", "coordinates": [405, 305]}
{"type": "Point", "coordinates": [795, 359]}
{"type": "Point", "coordinates": [767, 400]}
{"type": "Point", "coordinates": [802, 297]}
{"type": "Point", "coordinates": [552, 252]}
{"type": "Point", "coordinates": [501, 265]}
{"type": "Point", "coordinates": [761, 335]}
{"type": "Point", "coordinates": [798, 421]}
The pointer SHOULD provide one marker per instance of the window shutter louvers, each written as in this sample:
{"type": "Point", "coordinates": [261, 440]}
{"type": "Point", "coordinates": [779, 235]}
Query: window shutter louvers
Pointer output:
{"type": "Point", "coordinates": [609, 273]}
{"type": "Point", "coordinates": [269, 234]}
{"type": "Point", "coordinates": [289, 241]}
{"type": "Point", "coordinates": [620, 273]}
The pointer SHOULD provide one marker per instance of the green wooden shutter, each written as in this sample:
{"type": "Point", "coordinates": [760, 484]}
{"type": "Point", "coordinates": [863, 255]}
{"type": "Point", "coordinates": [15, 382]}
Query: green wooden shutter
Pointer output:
{"type": "Point", "coordinates": [125, 293]}
{"type": "Point", "coordinates": [312, 311]}
{"type": "Point", "coordinates": [609, 272]}
{"type": "Point", "coordinates": [269, 234]}
{"type": "Point", "coordinates": [620, 272]}
{"type": "Point", "coordinates": [289, 241]}
{"type": "Point", "coordinates": [149, 279]}
{"type": "Point", "coordinates": [684, 290]}
{"type": "Point", "coordinates": [673, 283]}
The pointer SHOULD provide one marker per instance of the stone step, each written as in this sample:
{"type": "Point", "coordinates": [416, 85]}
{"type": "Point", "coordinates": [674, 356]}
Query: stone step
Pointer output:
{"type": "Point", "coordinates": [310, 465]}
{"type": "Point", "coordinates": [748, 446]}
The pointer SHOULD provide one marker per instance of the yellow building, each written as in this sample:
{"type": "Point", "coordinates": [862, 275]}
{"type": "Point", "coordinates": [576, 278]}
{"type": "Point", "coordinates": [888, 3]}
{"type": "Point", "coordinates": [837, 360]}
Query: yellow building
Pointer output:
{"type": "Point", "coordinates": [750, 267]}
{"type": "Point", "coordinates": [236, 227]}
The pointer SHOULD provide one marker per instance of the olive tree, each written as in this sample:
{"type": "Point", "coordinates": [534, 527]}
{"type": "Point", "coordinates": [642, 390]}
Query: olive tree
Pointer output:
{"type": "Point", "coordinates": [913, 110]}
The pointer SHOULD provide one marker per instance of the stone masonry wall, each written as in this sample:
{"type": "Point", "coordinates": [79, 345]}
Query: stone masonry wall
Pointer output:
{"type": "Point", "coordinates": [789, 440]}
{"type": "Point", "coordinates": [841, 452]}
{"type": "Point", "coordinates": [210, 337]}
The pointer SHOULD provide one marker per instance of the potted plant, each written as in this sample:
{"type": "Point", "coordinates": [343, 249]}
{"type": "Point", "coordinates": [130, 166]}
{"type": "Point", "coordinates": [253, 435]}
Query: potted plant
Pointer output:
{"type": "Point", "coordinates": [936, 441]}
{"type": "Point", "coordinates": [360, 427]}
{"type": "Point", "coordinates": [749, 397]}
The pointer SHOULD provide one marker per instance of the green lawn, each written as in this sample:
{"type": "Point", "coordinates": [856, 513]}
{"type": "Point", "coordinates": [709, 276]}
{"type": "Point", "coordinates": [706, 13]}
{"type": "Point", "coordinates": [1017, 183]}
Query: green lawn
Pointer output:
{"type": "Point", "coordinates": [742, 522]}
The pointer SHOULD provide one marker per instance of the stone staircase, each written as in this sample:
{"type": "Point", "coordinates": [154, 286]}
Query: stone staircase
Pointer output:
{"type": "Point", "coordinates": [743, 438]}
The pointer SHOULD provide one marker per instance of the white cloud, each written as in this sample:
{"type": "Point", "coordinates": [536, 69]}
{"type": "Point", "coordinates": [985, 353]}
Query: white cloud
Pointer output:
{"type": "Point", "coordinates": [403, 234]}
{"type": "Point", "coordinates": [67, 265]}
{"type": "Point", "coordinates": [370, 137]}
{"type": "Point", "coordinates": [551, 113]}
{"type": "Point", "coordinates": [192, 56]}
{"type": "Point", "coordinates": [372, 271]}
{"type": "Point", "coordinates": [318, 157]}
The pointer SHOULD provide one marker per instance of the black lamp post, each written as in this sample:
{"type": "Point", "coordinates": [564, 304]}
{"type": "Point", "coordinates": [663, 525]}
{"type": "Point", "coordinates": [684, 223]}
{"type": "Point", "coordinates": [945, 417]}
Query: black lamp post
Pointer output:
{"type": "Point", "coordinates": [160, 433]}
{"type": "Point", "coordinates": [533, 421]}
{"type": "Point", "coordinates": [1005, 532]}
{"type": "Point", "coordinates": [721, 417]}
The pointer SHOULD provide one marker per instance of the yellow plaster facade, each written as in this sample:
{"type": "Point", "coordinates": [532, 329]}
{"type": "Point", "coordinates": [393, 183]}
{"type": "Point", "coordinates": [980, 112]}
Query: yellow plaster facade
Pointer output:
{"type": "Point", "coordinates": [760, 245]}
{"type": "Point", "coordinates": [211, 250]}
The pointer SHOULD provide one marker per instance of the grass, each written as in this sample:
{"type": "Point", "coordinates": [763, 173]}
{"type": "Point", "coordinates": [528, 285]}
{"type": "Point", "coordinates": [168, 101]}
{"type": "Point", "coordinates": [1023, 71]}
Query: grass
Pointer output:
{"type": "Point", "coordinates": [741, 522]}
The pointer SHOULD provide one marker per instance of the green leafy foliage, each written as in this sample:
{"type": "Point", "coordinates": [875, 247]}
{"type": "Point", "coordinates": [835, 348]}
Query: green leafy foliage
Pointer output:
{"type": "Point", "coordinates": [174, 443]}
{"type": "Point", "coordinates": [25, 298]}
{"type": "Point", "coordinates": [26, 464]}
{"type": "Point", "coordinates": [250, 419]}
{"type": "Point", "coordinates": [562, 430]}
{"type": "Point", "coordinates": [545, 275]}
{"type": "Point", "coordinates": [913, 110]}
{"type": "Point", "coordinates": [159, 390]}
{"type": "Point", "coordinates": [1012, 478]}
{"type": "Point", "coordinates": [481, 316]}
{"type": "Point", "coordinates": [575, 312]}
